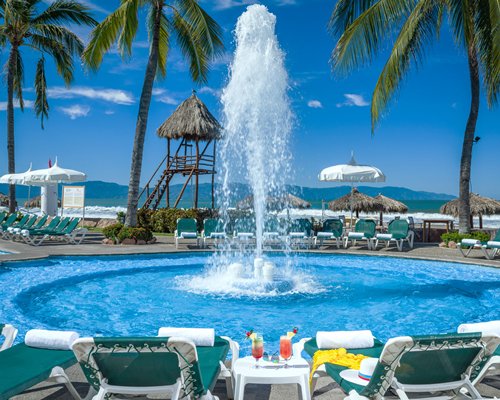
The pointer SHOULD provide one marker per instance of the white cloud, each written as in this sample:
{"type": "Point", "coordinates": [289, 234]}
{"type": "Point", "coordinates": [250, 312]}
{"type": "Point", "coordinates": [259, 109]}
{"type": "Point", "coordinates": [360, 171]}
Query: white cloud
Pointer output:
{"type": "Point", "coordinates": [116, 96]}
{"type": "Point", "coordinates": [314, 104]}
{"type": "Point", "coordinates": [75, 111]}
{"type": "Point", "coordinates": [163, 96]}
{"type": "Point", "coordinates": [356, 100]}
{"type": "Point", "coordinates": [109, 112]}
{"type": "Point", "coordinates": [209, 90]}
{"type": "Point", "coordinates": [158, 91]}
{"type": "Point", "coordinates": [27, 104]}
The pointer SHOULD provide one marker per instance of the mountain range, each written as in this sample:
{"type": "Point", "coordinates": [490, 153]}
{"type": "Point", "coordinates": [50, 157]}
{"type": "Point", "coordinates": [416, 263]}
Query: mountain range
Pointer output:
{"type": "Point", "coordinates": [113, 194]}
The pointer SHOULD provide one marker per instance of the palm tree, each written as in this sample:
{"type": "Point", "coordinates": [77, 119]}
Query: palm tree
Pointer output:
{"type": "Point", "coordinates": [24, 25]}
{"type": "Point", "coordinates": [362, 26]}
{"type": "Point", "coordinates": [198, 36]}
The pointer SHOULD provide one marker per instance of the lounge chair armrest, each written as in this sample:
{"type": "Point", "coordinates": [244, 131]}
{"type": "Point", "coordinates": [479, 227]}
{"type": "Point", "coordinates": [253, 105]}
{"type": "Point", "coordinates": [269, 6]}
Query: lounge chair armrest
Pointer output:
{"type": "Point", "coordinates": [235, 349]}
{"type": "Point", "coordinates": [10, 333]}
{"type": "Point", "coordinates": [298, 347]}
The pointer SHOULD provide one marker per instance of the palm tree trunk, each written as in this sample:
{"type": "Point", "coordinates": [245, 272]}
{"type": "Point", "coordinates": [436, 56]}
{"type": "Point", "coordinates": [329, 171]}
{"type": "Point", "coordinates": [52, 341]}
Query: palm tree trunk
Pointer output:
{"type": "Point", "coordinates": [142, 122]}
{"type": "Point", "coordinates": [10, 125]}
{"type": "Point", "coordinates": [470, 129]}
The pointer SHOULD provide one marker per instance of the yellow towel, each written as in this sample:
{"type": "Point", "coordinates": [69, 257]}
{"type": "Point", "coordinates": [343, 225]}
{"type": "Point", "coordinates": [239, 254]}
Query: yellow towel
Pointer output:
{"type": "Point", "coordinates": [335, 356]}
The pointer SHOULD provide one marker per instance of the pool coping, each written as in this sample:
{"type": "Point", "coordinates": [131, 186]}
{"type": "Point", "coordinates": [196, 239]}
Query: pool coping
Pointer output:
{"type": "Point", "coordinates": [165, 245]}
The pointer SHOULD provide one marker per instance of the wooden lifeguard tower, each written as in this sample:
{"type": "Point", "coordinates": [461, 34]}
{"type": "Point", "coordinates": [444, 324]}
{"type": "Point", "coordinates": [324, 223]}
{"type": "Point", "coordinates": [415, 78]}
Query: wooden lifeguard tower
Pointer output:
{"type": "Point", "coordinates": [198, 131]}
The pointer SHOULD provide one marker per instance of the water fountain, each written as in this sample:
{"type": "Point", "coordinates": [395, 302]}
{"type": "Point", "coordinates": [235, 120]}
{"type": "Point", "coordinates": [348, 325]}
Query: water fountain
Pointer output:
{"type": "Point", "coordinates": [254, 148]}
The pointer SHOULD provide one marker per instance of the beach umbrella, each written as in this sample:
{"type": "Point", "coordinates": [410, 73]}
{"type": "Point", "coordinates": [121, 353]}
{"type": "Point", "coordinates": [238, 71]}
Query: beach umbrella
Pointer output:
{"type": "Point", "coordinates": [54, 174]}
{"type": "Point", "coordinates": [15, 179]}
{"type": "Point", "coordinates": [356, 202]}
{"type": "Point", "coordinates": [479, 206]}
{"type": "Point", "coordinates": [276, 203]}
{"type": "Point", "coordinates": [352, 173]}
{"type": "Point", "coordinates": [389, 205]}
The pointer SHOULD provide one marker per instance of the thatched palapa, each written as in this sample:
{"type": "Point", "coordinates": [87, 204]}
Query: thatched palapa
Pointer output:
{"type": "Point", "coordinates": [389, 205]}
{"type": "Point", "coordinates": [191, 120]}
{"type": "Point", "coordinates": [276, 203]}
{"type": "Point", "coordinates": [355, 201]}
{"type": "Point", "coordinates": [479, 206]}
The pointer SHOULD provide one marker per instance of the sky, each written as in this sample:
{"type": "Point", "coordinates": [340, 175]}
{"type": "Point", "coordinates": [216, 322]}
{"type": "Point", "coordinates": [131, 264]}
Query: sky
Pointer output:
{"type": "Point", "coordinates": [417, 144]}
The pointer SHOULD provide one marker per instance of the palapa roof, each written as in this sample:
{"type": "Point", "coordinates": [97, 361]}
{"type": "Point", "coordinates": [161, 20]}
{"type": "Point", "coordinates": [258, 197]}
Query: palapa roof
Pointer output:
{"type": "Point", "coordinates": [479, 205]}
{"type": "Point", "coordinates": [190, 120]}
{"type": "Point", "coordinates": [390, 205]}
{"type": "Point", "coordinates": [276, 202]}
{"type": "Point", "coordinates": [358, 201]}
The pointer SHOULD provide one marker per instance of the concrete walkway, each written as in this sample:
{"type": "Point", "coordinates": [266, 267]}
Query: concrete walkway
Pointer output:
{"type": "Point", "coordinates": [326, 388]}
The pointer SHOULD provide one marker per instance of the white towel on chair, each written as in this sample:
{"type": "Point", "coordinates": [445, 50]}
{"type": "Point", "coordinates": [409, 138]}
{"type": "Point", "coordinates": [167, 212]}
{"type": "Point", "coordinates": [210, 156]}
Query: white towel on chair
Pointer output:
{"type": "Point", "coordinates": [199, 336]}
{"type": "Point", "coordinates": [470, 242]}
{"type": "Point", "coordinates": [345, 339]}
{"type": "Point", "coordinates": [356, 235]}
{"type": "Point", "coordinates": [384, 236]}
{"type": "Point", "coordinates": [483, 327]}
{"type": "Point", "coordinates": [53, 340]}
{"type": "Point", "coordinates": [189, 235]}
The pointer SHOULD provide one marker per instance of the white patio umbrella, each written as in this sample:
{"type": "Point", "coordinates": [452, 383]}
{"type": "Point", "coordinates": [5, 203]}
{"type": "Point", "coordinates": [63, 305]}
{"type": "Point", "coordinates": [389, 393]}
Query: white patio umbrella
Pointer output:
{"type": "Point", "coordinates": [19, 179]}
{"type": "Point", "coordinates": [48, 178]}
{"type": "Point", "coordinates": [351, 172]}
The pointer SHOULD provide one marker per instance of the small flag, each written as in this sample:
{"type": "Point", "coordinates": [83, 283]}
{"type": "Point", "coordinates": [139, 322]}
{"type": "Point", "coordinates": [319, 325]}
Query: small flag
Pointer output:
{"type": "Point", "coordinates": [50, 163]}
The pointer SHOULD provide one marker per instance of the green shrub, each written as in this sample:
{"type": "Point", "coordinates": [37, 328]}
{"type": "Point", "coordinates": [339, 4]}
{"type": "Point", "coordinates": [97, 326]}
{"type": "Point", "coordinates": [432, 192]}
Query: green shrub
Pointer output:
{"type": "Point", "coordinates": [112, 231]}
{"type": "Point", "coordinates": [135, 233]}
{"type": "Point", "coordinates": [120, 217]}
{"type": "Point", "coordinates": [165, 219]}
{"type": "Point", "coordinates": [457, 237]}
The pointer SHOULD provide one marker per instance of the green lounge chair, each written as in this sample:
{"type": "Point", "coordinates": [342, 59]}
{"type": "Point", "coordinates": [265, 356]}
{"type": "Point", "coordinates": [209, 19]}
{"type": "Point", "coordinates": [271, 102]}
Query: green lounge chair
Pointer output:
{"type": "Point", "coordinates": [67, 232]}
{"type": "Point", "coordinates": [364, 230]}
{"type": "Point", "coordinates": [299, 234]}
{"type": "Point", "coordinates": [186, 229]}
{"type": "Point", "coordinates": [398, 231]}
{"type": "Point", "coordinates": [424, 364]}
{"type": "Point", "coordinates": [3, 215]}
{"type": "Point", "coordinates": [213, 229]}
{"type": "Point", "coordinates": [10, 221]}
{"type": "Point", "coordinates": [333, 229]}
{"type": "Point", "coordinates": [273, 233]}
{"type": "Point", "coordinates": [14, 230]}
{"type": "Point", "coordinates": [150, 365]}
{"type": "Point", "coordinates": [9, 334]}
{"type": "Point", "coordinates": [244, 232]}
{"type": "Point", "coordinates": [23, 367]}
{"type": "Point", "coordinates": [490, 248]}
{"type": "Point", "coordinates": [30, 236]}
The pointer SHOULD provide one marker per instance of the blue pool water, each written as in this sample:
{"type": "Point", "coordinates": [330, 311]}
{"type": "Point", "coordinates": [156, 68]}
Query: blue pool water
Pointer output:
{"type": "Point", "coordinates": [135, 295]}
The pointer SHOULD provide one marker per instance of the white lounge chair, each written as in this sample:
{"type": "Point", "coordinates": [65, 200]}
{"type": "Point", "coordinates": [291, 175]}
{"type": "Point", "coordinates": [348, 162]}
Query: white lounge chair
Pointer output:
{"type": "Point", "coordinates": [9, 333]}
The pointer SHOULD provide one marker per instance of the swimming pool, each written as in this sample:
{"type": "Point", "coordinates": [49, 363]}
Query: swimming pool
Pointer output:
{"type": "Point", "coordinates": [135, 295]}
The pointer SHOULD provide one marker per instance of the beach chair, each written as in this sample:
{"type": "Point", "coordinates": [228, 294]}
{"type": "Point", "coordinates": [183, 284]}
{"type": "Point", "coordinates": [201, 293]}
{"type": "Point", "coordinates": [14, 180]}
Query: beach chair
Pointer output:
{"type": "Point", "coordinates": [364, 230]}
{"type": "Point", "coordinates": [23, 367]}
{"type": "Point", "coordinates": [37, 237]}
{"type": "Point", "coordinates": [213, 229]}
{"type": "Point", "coordinates": [10, 221]}
{"type": "Point", "coordinates": [9, 334]}
{"type": "Point", "coordinates": [150, 366]}
{"type": "Point", "coordinates": [398, 231]}
{"type": "Point", "coordinates": [14, 230]}
{"type": "Point", "coordinates": [333, 229]}
{"type": "Point", "coordinates": [186, 229]}
{"type": "Point", "coordinates": [3, 215]}
{"type": "Point", "coordinates": [440, 365]}
{"type": "Point", "coordinates": [300, 233]}
{"type": "Point", "coordinates": [271, 235]}
{"type": "Point", "coordinates": [489, 248]}
{"type": "Point", "coordinates": [244, 232]}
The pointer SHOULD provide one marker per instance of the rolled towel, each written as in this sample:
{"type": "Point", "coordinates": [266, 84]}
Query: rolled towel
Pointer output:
{"type": "Point", "coordinates": [53, 340]}
{"type": "Point", "coordinates": [493, 243]}
{"type": "Point", "coordinates": [470, 242]}
{"type": "Point", "coordinates": [345, 339]}
{"type": "Point", "coordinates": [199, 336]}
{"type": "Point", "coordinates": [325, 234]}
{"type": "Point", "coordinates": [356, 235]}
{"type": "Point", "coordinates": [189, 235]}
{"type": "Point", "coordinates": [384, 236]}
{"type": "Point", "coordinates": [483, 327]}
{"type": "Point", "coordinates": [297, 234]}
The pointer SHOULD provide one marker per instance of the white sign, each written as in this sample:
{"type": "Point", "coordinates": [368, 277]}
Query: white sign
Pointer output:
{"type": "Point", "coordinates": [73, 197]}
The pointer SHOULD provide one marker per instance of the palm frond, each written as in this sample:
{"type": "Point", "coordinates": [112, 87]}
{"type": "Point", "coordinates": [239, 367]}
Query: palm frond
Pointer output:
{"type": "Point", "coordinates": [191, 48]}
{"type": "Point", "coordinates": [363, 37]}
{"type": "Point", "coordinates": [129, 29]}
{"type": "Point", "coordinates": [163, 46]}
{"type": "Point", "coordinates": [409, 48]}
{"type": "Point", "coordinates": [41, 104]}
{"type": "Point", "coordinates": [206, 30]}
{"type": "Point", "coordinates": [61, 55]}
{"type": "Point", "coordinates": [487, 35]}
{"type": "Point", "coordinates": [103, 36]}
{"type": "Point", "coordinates": [68, 39]}
{"type": "Point", "coordinates": [345, 13]}
{"type": "Point", "coordinates": [65, 11]}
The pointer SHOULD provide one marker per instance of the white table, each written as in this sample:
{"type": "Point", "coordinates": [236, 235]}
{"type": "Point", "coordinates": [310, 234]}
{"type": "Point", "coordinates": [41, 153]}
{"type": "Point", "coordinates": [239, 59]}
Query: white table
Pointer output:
{"type": "Point", "coordinates": [244, 372]}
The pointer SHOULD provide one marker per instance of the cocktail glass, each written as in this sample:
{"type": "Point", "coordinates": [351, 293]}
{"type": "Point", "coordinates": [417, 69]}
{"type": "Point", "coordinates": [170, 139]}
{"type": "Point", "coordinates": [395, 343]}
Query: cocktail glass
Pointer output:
{"type": "Point", "coordinates": [257, 348]}
{"type": "Point", "coordinates": [285, 349]}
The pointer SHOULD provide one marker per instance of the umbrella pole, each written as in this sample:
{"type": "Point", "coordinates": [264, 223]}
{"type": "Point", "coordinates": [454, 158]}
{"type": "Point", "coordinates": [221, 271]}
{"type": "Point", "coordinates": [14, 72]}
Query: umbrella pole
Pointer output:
{"type": "Point", "coordinates": [350, 201]}
{"type": "Point", "coordinates": [29, 197]}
